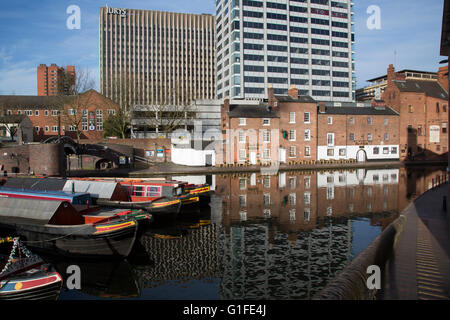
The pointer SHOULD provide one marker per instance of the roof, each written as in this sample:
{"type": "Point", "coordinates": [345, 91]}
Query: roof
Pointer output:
{"type": "Point", "coordinates": [40, 210]}
{"type": "Point", "coordinates": [403, 71]}
{"type": "Point", "coordinates": [361, 111]}
{"type": "Point", "coordinates": [430, 88]}
{"type": "Point", "coordinates": [252, 111]}
{"type": "Point", "coordinates": [12, 118]}
{"type": "Point", "coordinates": [62, 194]}
{"type": "Point", "coordinates": [304, 98]}
{"type": "Point", "coordinates": [44, 184]}
{"type": "Point", "coordinates": [97, 189]}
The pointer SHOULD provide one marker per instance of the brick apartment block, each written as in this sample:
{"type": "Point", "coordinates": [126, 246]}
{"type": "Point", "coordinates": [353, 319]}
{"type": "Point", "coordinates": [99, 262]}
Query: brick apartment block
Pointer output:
{"type": "Point", "coordinates": [43, 112]}
{"type": "Point", "coordinates": [423, 109]}
{"type": "Point", "coordinates": [54, 80]}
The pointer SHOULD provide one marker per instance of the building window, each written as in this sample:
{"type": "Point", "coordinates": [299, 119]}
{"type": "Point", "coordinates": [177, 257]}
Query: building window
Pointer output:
{"type": "Point", "coordinates": [55, 113]}
{"type": "Point", "coordinates": [330, 139]}
{"type": "Point", "coordinates": [307, 151]}
{"type": "Point", "coordinates": [242, 200]}
{"type": "Point", "coordinates": [437, 107]}
{"type": "Point", "coordinates": [352, 137]}
{"type": "Point", "coordinates": [386, 122]}
{"type": "Point", "coordinates": [307, 182]}
{"type": "Point", "coordinates": [306, 214]}
{"type": "Point", "coordinates": [419, 130]}
{"type": "Point", "coordinates": [292, 215]}
{"type": "Point", "coordinates": [266, 182]}
{"type": "Point", "coordinates": [292, 135]}
{"type": "Point", "coordinates": [46, 128]}
{"type": "Point", "coordinates": [266, 154]}
{"type": "Point", "coordinates": [72, 128]}
{"type": "Point", "coordinates": [241, 136]}
{"type": "Point", "coordinates": [369, 121]}
{"type": "Point", "coordinates": [307, 198]}
{"type": "Point", "coordinates": [330, 152]}
{"type": "Point", "coordinates": [266, 122]}
{"type": "Point", "coordinates": [111, 112]}
{"type": "Point", "coordinates": [242, 154]}
{"type": "Point", "coordinates": [71, 112]}
{"type": "Point", "coordinates": [330, 193]}
{"type": "Point", "coordinates": [54, 128]}
{"type": "Point", "coordinates": [242, 183]}
{"type": "Point", "coordinates": [342, 152]}
{"type": "Point", "coordinates": [444, 127]}
{"type": "Point", "coordinates": [307, 118]}
{"type": "Point", "coordinates": [292, 199]}
{"type": "Point", "coordinates": [99, 120]}
{"type": "Point", "coordinates": [386, 137]}
{"type": "Point", "coordinates": [307, 135]}
{"type": "Point", "coordinates": [242, 121]}
{"type": "Point", "coordinates": [376, 150]}
{"type": "Point", "coordinates": [352, 120]}
{"type": "Point", "coordinates": [266, 213]}
{"type": "Point", "coordinates": [330, 120]}
{"type": "Point", "coordinates": [266, 136]}
{"type": "Point", "coordinates": [9, 112]}
{"type": "Point", "coordinates": [410, 109]}
{"type": "Point", "coordinates": [46, 113]}
{"type": "Point", "coordinates": [394, 150]}
{"type": "Point", "coordinates": [37, 129]}
{"type": "Point", "coordinates": [36, 113]}
{"type": "Point", "coordinates": [385, 150]}
{"type": "Point", "coordinates": [291, 117]}
{"type": "Point", "coordinates": [369, 137]}
{"type": "Point", "coordinates": [292, 151]}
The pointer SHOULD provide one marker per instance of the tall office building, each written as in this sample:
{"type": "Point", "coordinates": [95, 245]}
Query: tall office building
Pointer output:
{"type": "Point", "coordinates": [306, 43]}
{"type": "Point", "coordinates": [153, 57]}
{"type": "Point", "coordinates": [54, 80]}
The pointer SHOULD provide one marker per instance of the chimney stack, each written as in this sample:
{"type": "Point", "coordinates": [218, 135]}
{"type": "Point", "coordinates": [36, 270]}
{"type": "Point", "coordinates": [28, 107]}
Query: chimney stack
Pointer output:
{"type": "Point", "coordinates": [271, 96]}
{"type": "Point", "coordinates": [293, 92]}
{"type": "Point", "coordinates": [390, 74]}
{"type": "Point", "coordinates": [322, 107]}
{"type": "Point", "coordinates": [442, 77]}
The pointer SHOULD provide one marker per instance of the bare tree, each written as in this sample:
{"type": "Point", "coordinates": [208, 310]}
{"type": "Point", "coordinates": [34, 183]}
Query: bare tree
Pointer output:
{"type": "Point", "coordinates": [7, 121]}
{"type": "Point", "coordinates": [73, 106]}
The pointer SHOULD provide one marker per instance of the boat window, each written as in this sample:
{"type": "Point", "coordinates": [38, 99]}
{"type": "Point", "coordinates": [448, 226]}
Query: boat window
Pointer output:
{"type": "Point", "coordinates": [153, 191]}
{"type": "Point", "coordinates": [177, 191]}
{"type": "Point", "coordinates": [138, 191]}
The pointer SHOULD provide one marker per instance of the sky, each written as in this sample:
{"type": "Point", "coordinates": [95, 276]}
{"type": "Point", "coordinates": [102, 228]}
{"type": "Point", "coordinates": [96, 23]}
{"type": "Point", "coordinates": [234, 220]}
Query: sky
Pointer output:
{"type": "Point", "coordinates": [35, 32]}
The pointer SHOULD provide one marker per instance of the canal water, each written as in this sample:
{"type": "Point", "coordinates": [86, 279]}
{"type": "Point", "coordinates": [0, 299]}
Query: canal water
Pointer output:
{"type": "Point", "coordinates": [281, 236]}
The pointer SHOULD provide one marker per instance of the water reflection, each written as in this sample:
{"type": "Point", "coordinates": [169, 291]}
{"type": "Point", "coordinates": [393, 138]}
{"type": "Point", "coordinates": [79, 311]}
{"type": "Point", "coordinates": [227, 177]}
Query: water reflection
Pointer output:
{"type": "Point", "coordinates": [263, 237]}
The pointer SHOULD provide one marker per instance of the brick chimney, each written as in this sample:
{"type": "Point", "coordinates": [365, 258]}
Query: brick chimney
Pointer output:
{"type": "Point", "coordinates": [226, 104]}
{"type": "Point", "coordinates": [271, 96]}
{"type": "Point", "coordinates": [442, 77]}
{"type": "Point", "coordinates": [390, 75]}
{"type": "Point", "coordinates": [293, 92]}
{"type": "Point", "coordinates": [321, 107]}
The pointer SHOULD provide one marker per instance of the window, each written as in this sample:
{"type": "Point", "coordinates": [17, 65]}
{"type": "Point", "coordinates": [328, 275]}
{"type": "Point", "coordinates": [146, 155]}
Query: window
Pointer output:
{"type": "Point", "coordinates": [71, 112]}
{"type": "Point", "coordinates": [266, 181]}
{"type": "Point", "coordinates": [111, 112]}
{"type": "Point", "coordinates": [293, 182]}
{"type": "Point", "coordinates": [437, 107]}
{"type": "Point", "coordinates": [242, 154]}
{"type": "Point", "coordinates": [242, 183]}
{"type": "Point", "coordinates": [419, 130]}
{"type": "Point", "coordinates": [330, 193]}
{"type": "Point", "coordinates": [306, 117]}
{"type": "Point", "coordinates": [292, 135]}
{"type": "Point", "coordinates": [266, 122]}
{"type": "Point", "coordinates": [266, 136]}
{"type": "Point", "coordinates": [369, 137]}
{"type": "Point", "coordinates": [306, 214]}
{"type": "Point", "coordinates": [376, 150]}
{"type": "Point", "coordinates": [330, 139]}
{"type": "Point", "coordinates": [242, 121]}
{"type": "Point", "coordinates": [266, 199]}
{"type": "Point", "coordinates": [46, 113]}
{"type": "Point", "coordinates": [410, 109]}
{"type": "Point", "coordinates": [307, 135]}
{"type": "Point", "coordinates": [330, 152]}
{"type": "Point", "coordinates": [369, 121]}
{"type": "Point", "coordinates": [54, 128]}
{"type": "Point", "coordinates": [386, 137]}
{"type": "Point", "coordinates": [266, 213]}
{"type": "Point", "coordinates": [385, 150]}
{"type": "Point", "coordinates": [386, 122]}
{"type": "Point", "coordinates": [266, 154]}
{"type": "Point", "coordinates": [72, 128]}
{"type": "Point", "coordinates": [307, 198]}
{"type": "Point", "coordinates": [292, 151]}
{"type": "Point", "coordinates": [46, 129]}
{"type": "Point", "coordinates": [36, 113]}
{"type": "Point", "coordinates": [330, 120]}
{"type": "Point", "coordinates": [37, 129]}
{"type": "Point", "coordinates": [307, 182]}
{"type": "Point", "coordinates": [394, 150]}
{"type": "Point", "coordinates": [55, 112]}
{"type": "Point", "coordinates": [99, 120]}
{"type": "Point", "coordinates": [292, 215]}
{"type": "Point", "coordinates": [242, 200]}
{"type": "Point", "coordinates": [352, 137]}
{"type": "Point", "coordinates": [241, 136]}
{"type": "Point", "coordinates": [291, 117]}
{"type": "Point", "coordinates": [342, 152]}
{"type": "Point", "coordinates": [444, 127]}
{"type": "Point", "coordinates": [307, 151]}
{"type": "Point", "coordinates": [352, 120]}
{"type": "Point", "coordinates": [292, 199]}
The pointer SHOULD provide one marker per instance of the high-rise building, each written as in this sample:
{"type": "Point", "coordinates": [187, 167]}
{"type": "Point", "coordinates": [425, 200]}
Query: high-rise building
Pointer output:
{"type": "Point", "coordinates": [305, 43]}
{"type": "Point", "coordinates": [153, 57]}
{"type": "Point", "coordinates": [54, 80]}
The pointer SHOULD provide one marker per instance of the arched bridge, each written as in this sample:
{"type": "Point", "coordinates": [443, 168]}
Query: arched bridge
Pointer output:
{"type": "Point", "coordinates": [102, 151]}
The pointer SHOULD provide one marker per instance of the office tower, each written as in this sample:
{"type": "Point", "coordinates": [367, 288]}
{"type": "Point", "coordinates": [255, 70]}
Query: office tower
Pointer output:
{"type": "Point", "coordinates": [54, 80]}
{"type": "Point", "coordinates": [305, 43]}
{"type": "Point", "coordinates": [152, 57]}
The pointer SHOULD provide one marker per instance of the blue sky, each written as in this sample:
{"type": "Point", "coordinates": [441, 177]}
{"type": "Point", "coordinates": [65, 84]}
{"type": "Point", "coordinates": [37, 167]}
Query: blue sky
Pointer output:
{"type": "Point", "coordinates": [35, 32]}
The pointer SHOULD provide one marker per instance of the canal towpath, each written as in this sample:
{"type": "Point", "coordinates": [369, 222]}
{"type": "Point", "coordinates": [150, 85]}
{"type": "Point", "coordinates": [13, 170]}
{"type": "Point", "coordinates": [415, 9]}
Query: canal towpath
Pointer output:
{"type": "Point", "coordinates": [420, 266]}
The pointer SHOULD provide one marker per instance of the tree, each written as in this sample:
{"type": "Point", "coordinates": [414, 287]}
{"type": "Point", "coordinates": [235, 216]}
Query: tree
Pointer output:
{"type": "Point", "coordinates": [7, 121]}
{"type": "Point", "coordinates": [73, 106]}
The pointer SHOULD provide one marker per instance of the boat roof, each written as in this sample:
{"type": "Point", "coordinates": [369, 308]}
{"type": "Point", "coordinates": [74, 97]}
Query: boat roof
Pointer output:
{"type": "Point", "coordinates": [42, 211]}
{"type": "Point", "coordinates": [97, 189]}
{"type": "Point", "coordinates": [43, 184]}
{"type": "Point", "coordinates": [65, 194]}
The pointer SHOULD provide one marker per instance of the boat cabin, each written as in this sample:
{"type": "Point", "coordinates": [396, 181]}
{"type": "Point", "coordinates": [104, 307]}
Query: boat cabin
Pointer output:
{"type": "Point", "coordinates": [77, 198]}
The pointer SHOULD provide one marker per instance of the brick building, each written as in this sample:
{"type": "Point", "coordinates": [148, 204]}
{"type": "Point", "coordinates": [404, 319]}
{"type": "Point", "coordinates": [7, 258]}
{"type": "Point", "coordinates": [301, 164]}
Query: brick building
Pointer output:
{"type": "Point", "coordinates": [54, 80]}
{"type": "Point", "coordinates": [84, 114]}
{"type": "Point", "coordinates": [281, 129]}
{"type": "Point", "coordinates": [423, 109]}
{"type": "Point", "coordinates": [361, 133]}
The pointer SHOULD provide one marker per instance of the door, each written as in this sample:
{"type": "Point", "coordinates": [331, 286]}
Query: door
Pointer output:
{"type": "Point", "coordinates": [252, 157]}
{"type": "Point", "coordinates": [361, 156]}
{"type": "Point", "coordinates": [282, 155]}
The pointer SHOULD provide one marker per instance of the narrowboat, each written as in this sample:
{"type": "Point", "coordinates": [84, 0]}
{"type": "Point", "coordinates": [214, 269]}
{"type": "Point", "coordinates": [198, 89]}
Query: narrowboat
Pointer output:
{"type": "Point", "coordinates": [25, 276]}
{"type": "Point", "coordinates": [56, 227]}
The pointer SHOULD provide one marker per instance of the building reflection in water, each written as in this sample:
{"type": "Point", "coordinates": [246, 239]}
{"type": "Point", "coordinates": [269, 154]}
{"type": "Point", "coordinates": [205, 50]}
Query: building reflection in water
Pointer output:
{"type": "Point", "coordinates": [287, 236]}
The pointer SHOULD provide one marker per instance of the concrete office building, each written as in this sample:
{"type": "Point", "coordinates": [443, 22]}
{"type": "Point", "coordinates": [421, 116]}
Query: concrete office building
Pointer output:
{"type": "Point", "coordinates": [305, 43]}
{"type": "Point", "coordinates": [156, 57]}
